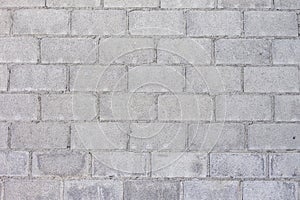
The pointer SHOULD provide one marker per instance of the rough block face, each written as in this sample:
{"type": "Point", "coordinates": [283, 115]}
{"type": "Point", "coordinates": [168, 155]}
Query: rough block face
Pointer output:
{"type": "Point", "coordinates": [276, 190]}
{"type": "Point", "coordinates": [271, 79]}
{"type": "Point", "coordinates": [149, 190]}
{"type": "Point", "coordinates": [68, 50]}
{"type": "Point", "coordinates": [285, 165]}
{"type": "Point", "coordinates": [60, 163]}
{"type": "Point", "coordinates": [131, 3]}
{"type": "Point", "coordinates": [120, 164]}
{"type": "Point", "coordinates": [98, 22]}
{"type": "Point", "coordinates": [287, 4]}
{"type": "Point", "coordinates": [213, 80]}
{"type": "Point", "coordinates": [40, 22]}
{"type": "Point", "coordinates": [156, 79]}
{"type": "Point", "coordinates": [287, 108]}
{"type": "Point", "coordinates": [202, 190]}
{"type": "Point", "coordinates": [3, 77]}
{"type": "Point", "coordinates": [185, 107]}
{"type": "Point", "coordinates": [91, 189]}
{"type": "Point", "coordinates": [39, 136]}
{"type": "Point", "coordinates": [243, 107]}
{"type": "Point", "coordinates": [129, 106]}
{"type": "Point", "coordinates": [270, 24]}
{"type": "Point", "coordinates": [14, 163]}
{"type": "Point", "coordinates": [237, 165]}
{"type": "Point", "coordinates": [100, 136]}
{"type": "Point", "coordinates": [69, 107]}
{"type": "Point", "coordinates": [20, 107]}
{"type": "Point", "coordinates": [182, 165]}
{"type": "Point", "coordinates": [23, 3]}
{"type": "Point", "coordinates": [126, 51]}
{"type": "Point", "coordinates": [98, 78]}
{"type": "Point", "coordinates": [156, 23]}
{"type": "Point", "coordinates": [244, 3]}
{"type": "Point", "coordinates": [3, 135]}
{"type": "Point", "coordinates": [32, 189]}
{"type": "Point", "coordinates": [38, 78]}
{"type": "Point", "coordinates": [5, 22]}
{"type": "Point", "coordinates": [157, 136]}
{"type": "Point", "coordinates": [274, 136]}
{"type": "Point", "coordinates": [18, 50]}
{"type": "Point", "coordinates": [286, 52]}
{"type": "Point", "coordinates": [242, 51]}
{"type": "Point", "coordinates": [72, 3]}
{"type": "Point", "coordinates": [184, 51]}
{"type": "Point", "coordinates": [187, 4]}
{"type": "Point", "coordinates": [215, 137]}
{"type": "Point", "coordinates": [210, 23]}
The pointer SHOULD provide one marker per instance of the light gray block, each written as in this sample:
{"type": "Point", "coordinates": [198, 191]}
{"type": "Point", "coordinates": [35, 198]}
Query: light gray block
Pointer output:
{"type": "Point", "coordinates": [14, 163]}
{"type": "Point", "coordinates": [3, 78]}
{"type": "Point", "coordinates": [131, 3]}
{"type": "Point", "coordinates": [269, 190]}
{"type": "Point", "coordinates": [286, 51]}
{"type": "Point", "coordinates": [92, 189]}
{"type": "Point", "coordinates": [72, 3]}
{"type": "Point", "coordinates": [34, 21]}
{"type": "Point", "coordinates": [287, 108]}
{"type": "Point", "coordinates": [98, 22]}
{"type": "Point", "coordinates": [238, 165]}
{"type": "Point", "coordinates": [3, 135]}
{"type": "Point", "coordinates": [243, 107]}
{"type": "Point", "coordinates": [23, 107]}
{"type": "Point", "coordinates": [187, 4]}
{"type": "Point", "coordinates": [273, 136]}
{"type": "Point", "coordinates": [120, 164]}
{"type": "Point", "coordinates": [38, 78]}
{"type": "Point", "coordinates": [242, 51]}
{"type": "Point", "coordinates": [204, 190]}
{"type": "Point", "coordinates": [32, 189]}
{"type": "Point", "coordinates": [182, 164]}
{"type": "Point", "coordinates": [22, 3]}
{"type": "Point", "coordinates": [214, 23]}
{"type": "Point", "coordinates": [244, 3]}
{"type": "Point", "coordinates": [5, 22]}
{"type": "Point", "coordinates": [156, 79]}
{"type": "Point", "coordinates": [285, 165]}
{"type": "Point", "coordinates": [287, 4]}
{"type": "Point", "coordinates": [60, 163]}
{"type": "Point", "coordinates": [39, 135]}
{"type": "Point", "coordinates": [69, 106]}
{"type": "Point", "coordinates": [149, 190]}
{"type": "Point", "coordinates": [271, 79]}
{"type": "Point", "coordinates": [19, 50]}
{"type": "Point", "coordinates": [185, 107]}
{"type": "Point", "coordinates": [156, 23]}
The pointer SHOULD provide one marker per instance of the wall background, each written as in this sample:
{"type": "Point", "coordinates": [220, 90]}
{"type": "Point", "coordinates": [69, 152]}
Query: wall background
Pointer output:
{"type": "Point", "coordinates": [149, 99]}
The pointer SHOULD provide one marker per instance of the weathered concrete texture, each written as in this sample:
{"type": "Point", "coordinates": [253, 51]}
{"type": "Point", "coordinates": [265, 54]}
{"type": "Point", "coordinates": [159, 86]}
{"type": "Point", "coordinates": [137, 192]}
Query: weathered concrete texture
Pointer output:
{"type": "Point", "coordinates": [149, 99]}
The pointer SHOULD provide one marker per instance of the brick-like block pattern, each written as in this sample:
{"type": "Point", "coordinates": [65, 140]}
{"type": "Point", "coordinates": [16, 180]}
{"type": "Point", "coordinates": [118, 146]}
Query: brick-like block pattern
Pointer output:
{"type": "Point", "coordinates": [120, 164]}
{"type": "Point", "coordinates": [286, 51]}
{"type": "Point", "coordinates": [34, 21]}
{"type": "Point", "coordinates": [5, 22]}
{"type": "Point", "coordinates": [157, 136]}
{"type": "Point", "coordinates": [149, 190]}
{"type": "Point", "coordinates": [271, 79]}
{"type": "Point", "coordinates": [39, 135]}
{"type": "Point", "coordinates": [275, 190]}
{"type": "Point", "coordinates": [38, 78]}
{"type": "Point", "coordinates": [92, 189]}
{"type": "Point", "coordinates": [273, 136]}
{"type": "Point", "coordinates": [19, 50]}
{"type": "Point", "coordinates": [14, 163]}
{"type": "Point", "coordinates": [156, 23]}
{"type": "Point", "coordinates": [183, 164]}
{"type": "Point", "coordinates": [287, 4]}
{"type": "Point", "coordinates": [215, 137]}
{"type": "Point", "coordinates": [93, 135]}
{"type": "Point", "coordinates": [287, 108]}
{"type": "Point", "coordinates": [32, 189]}
{"type": "Point", "coordinates": [20, 107]}
{"type": "Point", "coordinates": [238, 165]}
{"type": "Point", "coordinates": [210, 23]}
{"type": "Point", "coordinates": [60, 163]}
{"type": "Point", "coordinates": [285, 165]}
{"type": "Point", "coordinates": [85, 22]}
{"type": "Point", "coordinates": [201, 190]}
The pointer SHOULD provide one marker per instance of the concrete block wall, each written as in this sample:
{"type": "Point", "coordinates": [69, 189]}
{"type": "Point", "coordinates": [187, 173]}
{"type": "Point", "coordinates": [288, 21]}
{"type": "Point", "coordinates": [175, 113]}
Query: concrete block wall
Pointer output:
{"type": "Point", "coordinates": [149, 99]}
